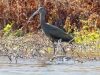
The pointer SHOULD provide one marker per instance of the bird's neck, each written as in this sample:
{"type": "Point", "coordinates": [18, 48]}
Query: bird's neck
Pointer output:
{"type": "Point", "coordinates": [42, 18]}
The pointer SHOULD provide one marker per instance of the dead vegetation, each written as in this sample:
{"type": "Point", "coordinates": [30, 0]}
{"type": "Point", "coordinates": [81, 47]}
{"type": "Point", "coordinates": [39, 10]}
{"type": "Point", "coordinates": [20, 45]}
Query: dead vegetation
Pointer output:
{"type": "Point", "coordinates": [33, 46]}
{"type": "Point", "coordinates": [18, 11]}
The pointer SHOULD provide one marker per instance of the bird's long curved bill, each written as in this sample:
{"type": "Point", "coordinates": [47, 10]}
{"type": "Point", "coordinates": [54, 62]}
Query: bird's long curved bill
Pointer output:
{"type": "Point", "coordinates": [32, 15]}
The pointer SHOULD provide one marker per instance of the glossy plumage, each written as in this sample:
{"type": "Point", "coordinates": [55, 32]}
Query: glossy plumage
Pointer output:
{"type": "Point", "coordinates": [54, 33]}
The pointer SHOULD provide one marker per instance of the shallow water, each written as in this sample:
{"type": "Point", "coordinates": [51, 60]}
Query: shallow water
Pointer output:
{"type": "Point", "coordinates": [34, 67]}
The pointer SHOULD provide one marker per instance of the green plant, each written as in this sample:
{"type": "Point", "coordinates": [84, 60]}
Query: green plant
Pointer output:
{"type": "Point", "coordinates": [18, 33]}
{"type": "Point", "coordinates": [8, 28]}
{"type": "Point", "coordinates": [99, 46]}
{"type": "Point", "coordinates": [85, 35]}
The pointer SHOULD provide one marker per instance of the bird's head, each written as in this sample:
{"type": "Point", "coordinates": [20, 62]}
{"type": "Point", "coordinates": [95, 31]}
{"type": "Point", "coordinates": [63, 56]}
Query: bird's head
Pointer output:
{"type": "Point", "coordinates": [41, 10]}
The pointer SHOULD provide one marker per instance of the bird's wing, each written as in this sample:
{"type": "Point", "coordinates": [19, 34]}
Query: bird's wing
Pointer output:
{"type": "Point", "coordinates": [57, 33]}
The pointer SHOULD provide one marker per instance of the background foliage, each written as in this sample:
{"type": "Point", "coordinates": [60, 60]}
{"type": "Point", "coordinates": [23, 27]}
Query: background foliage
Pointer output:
{"type": "Point", "coordinates": [58, 12]}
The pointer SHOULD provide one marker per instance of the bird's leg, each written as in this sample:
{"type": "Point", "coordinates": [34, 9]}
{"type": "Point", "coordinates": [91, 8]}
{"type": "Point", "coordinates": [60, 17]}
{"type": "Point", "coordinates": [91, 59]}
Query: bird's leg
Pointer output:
{"type": "Point", "coordinates": [59, 41]}
{"type": "Point", "coordinates": [63, 52]}
{"type": "Point", "coordinates": [9, 58]}
{"type": "Point", "coordinates": [63, 49]}
{"type": "Point", "coordinates": [53, 52]}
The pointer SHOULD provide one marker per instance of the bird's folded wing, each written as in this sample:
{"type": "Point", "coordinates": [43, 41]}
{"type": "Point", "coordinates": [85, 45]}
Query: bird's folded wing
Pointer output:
{"type": "Point", "coordinates": [59, 34]}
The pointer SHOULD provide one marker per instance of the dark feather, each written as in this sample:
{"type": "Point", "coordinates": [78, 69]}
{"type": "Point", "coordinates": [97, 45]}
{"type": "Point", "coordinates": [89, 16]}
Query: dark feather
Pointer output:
{"type": "Point", "coordinates": [57, 33]}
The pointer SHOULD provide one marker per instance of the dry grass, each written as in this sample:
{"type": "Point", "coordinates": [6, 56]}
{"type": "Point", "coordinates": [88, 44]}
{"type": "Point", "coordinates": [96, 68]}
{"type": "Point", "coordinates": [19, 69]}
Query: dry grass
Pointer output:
{"type": "Point", "coordinates": [34, 45]}
{"type": "Point", "coordinates": [18, 12]}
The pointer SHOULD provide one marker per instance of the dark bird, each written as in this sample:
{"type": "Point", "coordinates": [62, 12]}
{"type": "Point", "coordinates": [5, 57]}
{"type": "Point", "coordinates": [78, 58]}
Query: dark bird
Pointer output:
{"type": "Point", "coordinates": [52, 32]}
